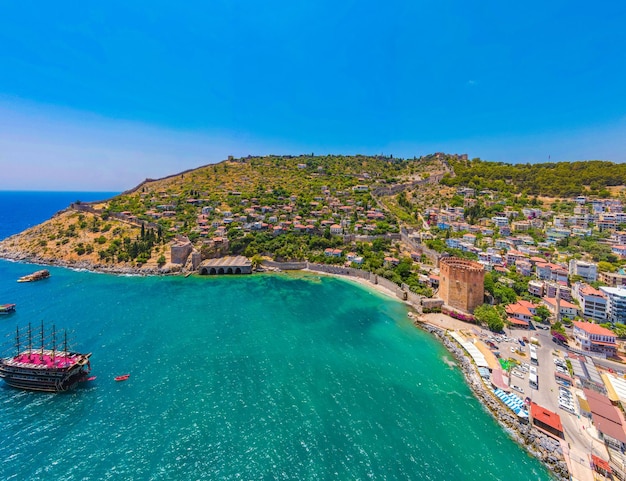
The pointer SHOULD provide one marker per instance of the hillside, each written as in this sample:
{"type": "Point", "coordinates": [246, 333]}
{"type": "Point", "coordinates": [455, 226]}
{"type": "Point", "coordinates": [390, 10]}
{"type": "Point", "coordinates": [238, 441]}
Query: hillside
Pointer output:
{"type": "Point", "coordinates": [289, 208]}
{"type": "Point", "coordinates": [346, 210]}
{"type": "Point", "coordinates": [562, 179]}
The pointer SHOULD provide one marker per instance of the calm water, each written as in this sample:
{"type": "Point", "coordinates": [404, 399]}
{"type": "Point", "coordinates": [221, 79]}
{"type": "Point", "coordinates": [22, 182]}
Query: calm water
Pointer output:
{"type": "Point", "coordinates": [21, 210]}
{"type": "Point", "coordinates": [258, 377]}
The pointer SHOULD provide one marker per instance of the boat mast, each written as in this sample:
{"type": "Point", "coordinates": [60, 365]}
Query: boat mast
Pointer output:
{"type": "Point", "coordinates": [42, 340]}
{"type": "Point", "coordinates": [54, 341]}
{"type": "Point", "coordinates": [30, 338]}
{"type": "Point", "coordinates": [17, 339]}
{"type": "Point", "coordinates": [65, 342]}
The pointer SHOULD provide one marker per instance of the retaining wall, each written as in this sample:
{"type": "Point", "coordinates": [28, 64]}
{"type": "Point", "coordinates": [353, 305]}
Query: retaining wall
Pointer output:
{"type": "Point", "coordinates": [285, 266]}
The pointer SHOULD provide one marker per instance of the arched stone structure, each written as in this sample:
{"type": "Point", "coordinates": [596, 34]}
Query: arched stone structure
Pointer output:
{"type": "Point", "coordinates": [225, 265]}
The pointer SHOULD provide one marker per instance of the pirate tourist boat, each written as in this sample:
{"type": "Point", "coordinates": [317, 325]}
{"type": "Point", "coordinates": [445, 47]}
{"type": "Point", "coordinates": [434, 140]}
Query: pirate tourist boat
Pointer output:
{"type": "Point", "coordinates": [44, 364]}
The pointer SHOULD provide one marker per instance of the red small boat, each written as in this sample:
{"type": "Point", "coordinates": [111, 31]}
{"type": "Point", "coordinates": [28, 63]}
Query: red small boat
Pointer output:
{"type": "Point", "coordinates": [123, 377]}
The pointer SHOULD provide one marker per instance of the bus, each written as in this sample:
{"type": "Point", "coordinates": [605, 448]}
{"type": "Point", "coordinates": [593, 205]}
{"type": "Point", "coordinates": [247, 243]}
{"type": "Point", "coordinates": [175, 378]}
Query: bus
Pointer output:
{"type": "Point", "coordinates": [533, 358]}
{"type": "Point", "coordinates": [533, 381]}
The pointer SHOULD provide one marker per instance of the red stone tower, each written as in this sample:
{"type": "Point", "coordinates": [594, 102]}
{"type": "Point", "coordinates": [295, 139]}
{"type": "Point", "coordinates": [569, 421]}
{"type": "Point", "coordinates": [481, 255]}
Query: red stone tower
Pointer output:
{"type": "Point", "coordinates": [461, 284]}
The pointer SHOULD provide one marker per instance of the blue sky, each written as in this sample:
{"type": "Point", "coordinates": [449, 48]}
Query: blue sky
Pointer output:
{"type": "Point", "coordinates": [100, 95]}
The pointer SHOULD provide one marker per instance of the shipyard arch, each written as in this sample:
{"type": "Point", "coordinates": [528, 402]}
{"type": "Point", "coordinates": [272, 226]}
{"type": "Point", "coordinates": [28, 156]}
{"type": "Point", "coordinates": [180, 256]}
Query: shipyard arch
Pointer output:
{"type": "Point", "coordinates": [225, 266]}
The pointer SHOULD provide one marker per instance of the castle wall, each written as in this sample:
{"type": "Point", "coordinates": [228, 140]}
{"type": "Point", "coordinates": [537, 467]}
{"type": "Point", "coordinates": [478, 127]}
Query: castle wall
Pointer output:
{"type": "Point", "coordinates": [461, 284]}
{"type": "Point", "coordinates": [180, 251]}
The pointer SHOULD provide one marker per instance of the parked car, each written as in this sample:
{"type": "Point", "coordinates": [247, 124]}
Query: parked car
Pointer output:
{"type": "Point", "coordinates": [517, 388]}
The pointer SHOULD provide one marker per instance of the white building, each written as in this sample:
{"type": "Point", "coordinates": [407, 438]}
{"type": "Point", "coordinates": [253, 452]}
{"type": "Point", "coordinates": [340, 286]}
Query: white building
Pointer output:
{"type": "Point", "coordinates": [592, 337]}
{"type": "Point", "coordinates": [587, 270]}
{"type": "Point", "coordinates": [500, 221]}
{"type": "Point", "coordinates": [593, 302]}
{"type": "Point", "coordinates": [566, 309]}
{"type": "Point", "coordinates": [616, 304]}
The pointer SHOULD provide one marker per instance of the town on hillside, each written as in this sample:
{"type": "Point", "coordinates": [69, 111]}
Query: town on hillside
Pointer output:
{"type": "Point", "coordinates": [533, 253]}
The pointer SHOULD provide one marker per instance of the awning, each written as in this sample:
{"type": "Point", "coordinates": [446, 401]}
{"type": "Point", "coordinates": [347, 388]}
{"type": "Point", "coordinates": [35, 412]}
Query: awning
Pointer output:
{"type": "Point", "coordinates": [600, 463]}
{"type": "Point", "coordinates": [518, 322]}
{"type": "Point", "coordinates": [600, 343]}
{"type": "Point", "coordinates": [610, 392]}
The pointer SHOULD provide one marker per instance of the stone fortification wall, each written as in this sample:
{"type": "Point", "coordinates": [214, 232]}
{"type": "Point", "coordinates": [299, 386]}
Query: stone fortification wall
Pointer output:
{"type": "Point", "coordinates": [413, 298]}
{"type": "Point", "coordinates": [345, 271]}
{"type": "Point", "coordinates": [284, 266]}
{"type": "Point", "coordinates": [461, 283]}
{"type": "Point", "coordinates": [431, 303]}
{"type": "Point", "coordinates": [180, 250]}
{"type": "Point", "coordinates": [369, 238]}
{"type": "Point", "coordinates": [431, 254]}
{"type": "Point", "coordinates": [394, 189]}
{"type": "Point", "coordinates": [392, 286]}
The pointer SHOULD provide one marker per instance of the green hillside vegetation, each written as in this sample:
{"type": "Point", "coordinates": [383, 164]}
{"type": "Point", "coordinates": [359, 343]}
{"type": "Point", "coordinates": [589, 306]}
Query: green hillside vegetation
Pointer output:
{"type": "Point", "coordinates": [562, 179]}
{"type": "Point", "coordinates": [272, 181]}
{"type": "Point", "coordinates": [287, 208]}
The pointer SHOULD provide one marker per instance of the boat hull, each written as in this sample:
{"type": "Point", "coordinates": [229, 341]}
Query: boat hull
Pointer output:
{"type": "Point", "coordinates": [44, 378]}
{"type": "Point", "coordinates": [35, 276]}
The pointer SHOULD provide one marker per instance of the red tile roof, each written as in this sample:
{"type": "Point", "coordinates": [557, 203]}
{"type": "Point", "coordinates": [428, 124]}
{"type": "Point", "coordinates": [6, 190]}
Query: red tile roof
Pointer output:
{"type": "Point", "coordinates": [564, 303]}
{"type": "Point", "coordinates": [590, 291]}
{"type": "Point", "coordinates": [518, 309]}
{"type": "Point", "coordinates": [527, 304]}
{"type": "Point", "coordinates": [592, 328]}
{"type": "Point", "coordinates": [519, 322]}
{"type": "Point", "coordinates": [549, 418]}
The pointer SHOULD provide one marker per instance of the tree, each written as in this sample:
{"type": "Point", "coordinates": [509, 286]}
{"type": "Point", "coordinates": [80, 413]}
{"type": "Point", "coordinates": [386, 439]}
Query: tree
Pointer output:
{"type": "Point", "coordinates": [558, 327]}
{"type": "Point", "coordinates": [489, 315]}
{"type": "Point", "coordinates": [604, 266]}
{"type": "Point", "coordinates": [542, 313]}
{"type": "Point", "coordinates": [620, 330]}
{"type": "Point", "coordinates": [504, 294]}
{"type": "Point", "coordinates": [256, 261]}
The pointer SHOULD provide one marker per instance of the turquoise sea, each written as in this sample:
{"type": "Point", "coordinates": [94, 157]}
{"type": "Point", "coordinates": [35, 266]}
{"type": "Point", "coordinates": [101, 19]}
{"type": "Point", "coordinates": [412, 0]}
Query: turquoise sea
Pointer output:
{"type": "Point", "coordinates": [274, 377]}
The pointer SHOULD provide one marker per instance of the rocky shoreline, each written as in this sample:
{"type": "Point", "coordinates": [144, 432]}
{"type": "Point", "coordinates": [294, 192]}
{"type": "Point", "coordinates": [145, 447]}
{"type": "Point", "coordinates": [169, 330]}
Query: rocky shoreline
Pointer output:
{"type": "Point", "coordinates": [538, 444]}
{"type": "Point", "coordinates": [11, 255]}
